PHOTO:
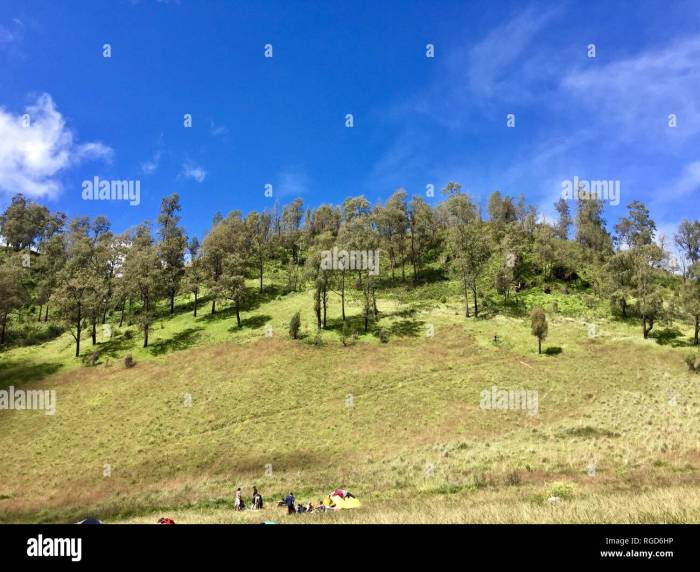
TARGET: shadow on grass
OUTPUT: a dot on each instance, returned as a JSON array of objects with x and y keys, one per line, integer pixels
[
  {"x": 553, "y": 351},
  {"x": 406, "y": 328},
  {"x": 253, "y": 322},
  {"x": 15, "y": 372},
  {"x": 670, "y": 337},
  {"x": 180, "y": 341}
]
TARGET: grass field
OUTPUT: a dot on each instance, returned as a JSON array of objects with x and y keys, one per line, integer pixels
[{"x": 209, "y": 408}]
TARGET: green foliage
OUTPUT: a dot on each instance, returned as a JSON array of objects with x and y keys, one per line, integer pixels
[{"x": 295, "y": 326}]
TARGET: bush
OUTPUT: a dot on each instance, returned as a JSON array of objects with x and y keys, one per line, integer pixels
[
  {"x": 91, "y": 359},
  {"x": 561, "y": 489},
  {"x": 129, "y": 334},
  {"x": 383, "y": 336},
  {"x": 295, "y": 326},
  {"x": 129, "y": 361},
  {"x": 693, "y": 362}
]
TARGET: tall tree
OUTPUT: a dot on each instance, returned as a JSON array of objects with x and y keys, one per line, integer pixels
[
  {"x": 171, "y": 248},
  {"x": 565, "y": 221},
  {"x": 636, "y": 229},
  {"x": 145, "y": 275}
]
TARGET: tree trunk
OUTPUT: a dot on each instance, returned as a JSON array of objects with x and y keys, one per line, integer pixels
[
  {"x": 623, "y": 306},
  {"x": 476, "y": 304},
  {"x": 342, "y": 293},
  {"x": 466, "y": 301},
  {"x": 213, "y": 306},
  {"x": 46, "y": 313},
  {"x": 697, "y": 329},
  {"x": 4, "y": 326},
  {"x": 413, "y": 261},
  {"x": 261, "y": 276},
  {"x": 146, "y": 307},
  {"x": 121, "y": 319},
  {"x": 539, "y": 345},
  {"x": 172, "y": 301},
  {"x": 94, "y": 330},
  {"x": 325, "y": 304},
  {"x": 77, "y": 338},
  {"x": 238, "y": 314},
  {"x": 104, "y": 316},
  {"x": 41, "y": 311},
  {"x": 195, "y": 304}
]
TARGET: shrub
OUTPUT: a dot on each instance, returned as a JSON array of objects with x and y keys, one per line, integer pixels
[
  {"x": 129, "y": 361},
  {"x": 345, "y": 335},
  {"x": 91, "y": 359},
  {"x": 294, "y": 326},
  {"x": 513, "y": 479},
  {"x": 129, "y": 334},
  {"x": 561, "y": 489},
  {"x": 693, "y": 362},
  {"x": 383, "y": 336}
]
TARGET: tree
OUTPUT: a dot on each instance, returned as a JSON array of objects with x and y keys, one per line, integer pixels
[
  {"x": 647, "y": 262},
  {"x": 172, "y": 246},
  {"x": 590, "y": 226},
  {"x": 12, "y": 293},
  {"x": 76, "y": 286},
  {"x": 422, "y": 232},
  {"x": 564, "y": 223},
  {"x": 539, "y": 326},
  {"x": 259, "y": 228},
  {"x": 618, "y": 283},
  {"x": 691, "y": 299},
  {"x": 22, "y": 223},
  {"x": 637, "y": 229},
  {"x": 194, "y": 273},
  {"x": 145, "y": 276},
  {"x": 688, "y": 240}
]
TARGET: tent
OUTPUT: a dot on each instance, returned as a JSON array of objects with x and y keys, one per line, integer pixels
[{"x": 336, "y": 502}]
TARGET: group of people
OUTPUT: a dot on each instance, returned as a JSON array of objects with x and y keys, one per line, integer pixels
[
  {"x": 289, "y": 501},
  {"x": 293, "y": 508},
  {"x": 256, "y": 503}
]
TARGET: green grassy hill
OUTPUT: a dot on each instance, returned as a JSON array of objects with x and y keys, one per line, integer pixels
[{"x": 615, "y": 438}]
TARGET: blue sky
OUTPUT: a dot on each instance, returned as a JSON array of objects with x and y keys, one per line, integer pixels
[{"x": 281, "y": 120}]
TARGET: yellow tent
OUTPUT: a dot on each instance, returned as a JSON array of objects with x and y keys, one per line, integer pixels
[{"x": 333, "y": 501}]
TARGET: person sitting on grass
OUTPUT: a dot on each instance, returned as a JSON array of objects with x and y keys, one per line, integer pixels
[{"x": 343, "y": 494}]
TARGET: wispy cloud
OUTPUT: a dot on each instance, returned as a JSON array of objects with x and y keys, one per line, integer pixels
[
  {"x": 292, "y": 182},
  {"x": 36, "y": 147},
  {"x": 11, "y": 33},
  {"x": 151, "y": 166},
  {"x": 195, "y": 172},
  {"x": 634, "y": 96},
  {"x": 217, "y": 130}
]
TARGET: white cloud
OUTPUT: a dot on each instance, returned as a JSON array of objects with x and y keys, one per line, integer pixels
[
  {"x": 192, "y": 171},
  {"x": 36, "y": 146},
  {"x": 688, "y": 182},
  {"x": 493, "y": 58},
  {"x": 150, "y": 167},
  {"x": 291, "y": 183},
  {"x": 217, "y": 129},
  {"x": 11, "y": 33},
  {"x": 635, "y": 95}
]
